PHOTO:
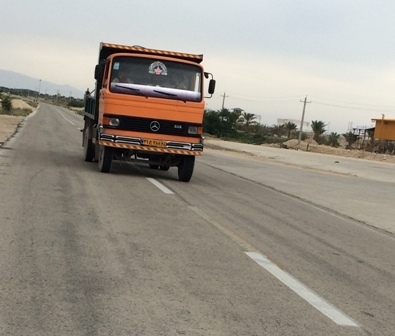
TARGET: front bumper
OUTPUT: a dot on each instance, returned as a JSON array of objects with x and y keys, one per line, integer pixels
[{"x": 137, "y": 144}]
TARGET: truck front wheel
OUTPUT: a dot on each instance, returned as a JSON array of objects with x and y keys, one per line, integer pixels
[
  {"x": 105, "y": 158},
  {"x": 185, "y": 168}
]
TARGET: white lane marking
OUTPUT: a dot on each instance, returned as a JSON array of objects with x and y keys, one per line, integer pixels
[
  {"x": 315, "y": 300},
  {"x": 304, "y": 292},
  {"x": 66, "y": 118},
  {"x": 160, "y": 186}
]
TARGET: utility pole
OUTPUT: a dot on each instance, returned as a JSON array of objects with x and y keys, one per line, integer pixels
[
  {"x": 39, "y": 89},
  {"x": 223, "y": 100},
  {"x": 302, "y": 121}
]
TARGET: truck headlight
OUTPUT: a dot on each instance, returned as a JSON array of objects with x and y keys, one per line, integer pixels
[
  {"x": 192, "y": 130},
  {"x": 114, "y": 122}
]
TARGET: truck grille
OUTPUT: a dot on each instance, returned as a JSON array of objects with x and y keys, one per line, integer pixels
[{"x": 155, "y": 126}]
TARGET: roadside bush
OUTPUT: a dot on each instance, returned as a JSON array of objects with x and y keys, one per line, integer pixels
[
  {"x": 351, "y": 138},
  {"x": 322, "y": 140},
  {"x": 303, "y": 136},
  {"x": 6, "y": 104},
  {"x": 258, "y": 139},
  {"x": 333, "y": 140},
  {"x": 21, "y": 112},
  {"x": 76, "y": 103},
  {"x": 275, "y": 140}
]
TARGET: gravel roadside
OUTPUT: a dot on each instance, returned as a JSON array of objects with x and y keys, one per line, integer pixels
[
  {"x": 8, "y": 126},
  {"x": 9, "y": 123}
]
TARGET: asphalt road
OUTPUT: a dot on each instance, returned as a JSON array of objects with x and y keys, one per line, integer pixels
[
  {"x": 136, "y": 252},
  {"x": 359, "y": 189}
]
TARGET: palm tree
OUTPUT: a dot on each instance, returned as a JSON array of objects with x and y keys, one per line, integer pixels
[
  {"x": 351, "y": 138},
  {"x": 318, "y": 128},
  {"x": 333, "y": 139},
  {"x": 290, "y": 126},
  {"x": 228, "y": 118},
  {"x": 247, "y": 119},
  {"x": 278, "y": 130}
]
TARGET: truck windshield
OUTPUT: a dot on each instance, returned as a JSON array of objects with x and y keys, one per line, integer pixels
[{"x": 156, "y": 78}]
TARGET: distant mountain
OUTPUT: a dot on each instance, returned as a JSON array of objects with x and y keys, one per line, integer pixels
[{"x": 14, "y": 80}]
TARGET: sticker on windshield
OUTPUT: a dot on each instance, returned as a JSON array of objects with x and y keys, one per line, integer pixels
[
  {"x": 116, "y": 66},
  {"x": 158, "y": 68}
]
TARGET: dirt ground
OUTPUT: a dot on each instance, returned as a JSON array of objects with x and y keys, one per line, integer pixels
[
  {"x": 8, "y": 123},
  {"x": 311, "y": 146}
]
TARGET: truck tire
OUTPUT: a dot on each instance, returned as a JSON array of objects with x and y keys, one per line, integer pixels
[
  {"x": 105, "y": 158},
  {"x": 89, "y": 150},
  {"x": 185, "y": 168}
]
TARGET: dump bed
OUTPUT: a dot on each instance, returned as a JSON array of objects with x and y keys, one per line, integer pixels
[{"x": 107, "y": 49}]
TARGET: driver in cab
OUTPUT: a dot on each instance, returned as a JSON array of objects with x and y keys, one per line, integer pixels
[{"x": 123, "y": 76}]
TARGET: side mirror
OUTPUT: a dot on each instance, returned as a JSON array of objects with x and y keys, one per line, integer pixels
[
  {"x": 211, "y": 86},
  {"x": 99, "y": 70}
]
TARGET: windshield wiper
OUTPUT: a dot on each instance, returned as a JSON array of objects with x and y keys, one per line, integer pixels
[
  {"x": 169, "y": 94},
  {"x": 166, "y": 93},
  {"x": 132, "y": 89}
]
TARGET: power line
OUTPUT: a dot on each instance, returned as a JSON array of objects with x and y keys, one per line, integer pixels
[
  {"x": 345, "y": 102},
  {"x": 358, "y": 108},
  {"x": 290, "y": 99},
  {"x": 262, "y": 98},
  {"x": 268, "y": 99}
]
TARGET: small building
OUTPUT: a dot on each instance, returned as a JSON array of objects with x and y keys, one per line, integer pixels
[
  {"x": 306, "y": 125},
  {"x": 384, "y": 135},
  {"x": 237, "y": 110},
  {"x": 385, "y": 129}
]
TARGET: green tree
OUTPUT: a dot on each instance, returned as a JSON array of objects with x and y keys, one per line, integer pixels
[
  {"x": 318, "y": 128},
  {"x": 220, "y": 123},
  {"x": 229, "y": 119},
  {"x": 333, "y": 139},
  {"x": 212, "y": 123},
  {"x": 76, "y": 103},
  {"x": 248, "y": 119},
  {"x": 351, "y": 138},
  {"x": 263, "y": 129},
  {"x": 278, "y": 130},
  {"x": 6, "y": 103},
  {"x": 290, "y": 127}
]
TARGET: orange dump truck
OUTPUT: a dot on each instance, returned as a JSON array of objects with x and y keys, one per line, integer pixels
[{"x": 147, "y": 106}]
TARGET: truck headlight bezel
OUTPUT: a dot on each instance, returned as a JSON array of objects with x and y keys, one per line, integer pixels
[
  {"x": 192, "y": 130},
  {"x": 114, "y": 122}
]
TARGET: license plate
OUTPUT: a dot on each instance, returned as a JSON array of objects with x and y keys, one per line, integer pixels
[{"x": 154, "y": 143}]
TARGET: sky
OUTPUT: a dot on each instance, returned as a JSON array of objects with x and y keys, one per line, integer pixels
[{"x": 266, "y": 56}]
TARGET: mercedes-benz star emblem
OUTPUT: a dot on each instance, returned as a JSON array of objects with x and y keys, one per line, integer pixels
[{"x": 154, "y": 126}]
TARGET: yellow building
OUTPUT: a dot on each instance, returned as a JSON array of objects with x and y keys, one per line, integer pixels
[{"x": 385, "y": 129}]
